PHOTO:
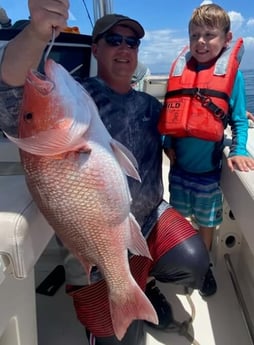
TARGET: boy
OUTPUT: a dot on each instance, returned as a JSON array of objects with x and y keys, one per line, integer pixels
[{"x": 196, "y": 162}]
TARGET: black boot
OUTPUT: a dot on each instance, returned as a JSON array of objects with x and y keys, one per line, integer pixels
[
  {"x": 209, "y": 286},
  {"x": 160, "y": 304}
]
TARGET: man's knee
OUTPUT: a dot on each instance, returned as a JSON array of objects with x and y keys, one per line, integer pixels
[{"x": 186, "y": 263}]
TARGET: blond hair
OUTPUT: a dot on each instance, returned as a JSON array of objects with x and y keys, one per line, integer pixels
[{"x": 211, "y": 15}]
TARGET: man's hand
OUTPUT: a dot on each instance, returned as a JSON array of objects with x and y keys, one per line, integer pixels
[{"x": 45, "y": 14}]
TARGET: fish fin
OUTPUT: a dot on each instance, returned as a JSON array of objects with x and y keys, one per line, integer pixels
[
  {"x": 136, "y": 242},
  {"x": 49, "y": 143},
  {"x": 136, "y": 306},
  {"x": 88, "y": 269},
  {"x": 126, "y": 159}
]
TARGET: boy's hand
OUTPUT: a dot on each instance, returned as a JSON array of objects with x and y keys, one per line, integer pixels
[
  {"x": 241, "y": 163},
  {"x": 250, "y": 116}
]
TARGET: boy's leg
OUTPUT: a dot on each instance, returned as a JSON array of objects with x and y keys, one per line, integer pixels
[
  {"x": 209, "y": 286},
  {"x": 208, "y": 215},
  {"x": 207, "y": 235}
]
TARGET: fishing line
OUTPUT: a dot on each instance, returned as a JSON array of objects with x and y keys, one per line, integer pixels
[
  {"x": 50, "y": 47},
  {"x": 51, "y": 44},
  {"x": 183, "y": 328},
  {"x": 88, "y": 14}
]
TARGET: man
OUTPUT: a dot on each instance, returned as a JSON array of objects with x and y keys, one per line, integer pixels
[{"x": 178, "y": 252}]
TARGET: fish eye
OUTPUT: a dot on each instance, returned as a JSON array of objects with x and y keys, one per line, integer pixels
[{"x": 28, "y": 117}]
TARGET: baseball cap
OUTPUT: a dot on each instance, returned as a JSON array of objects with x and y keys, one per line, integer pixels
[{"x": 106, "y": 22}]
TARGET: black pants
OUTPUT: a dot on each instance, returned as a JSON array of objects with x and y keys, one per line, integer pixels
[
  {"x": 134, "y": 336},
  {"x": 188, "y": 270}
]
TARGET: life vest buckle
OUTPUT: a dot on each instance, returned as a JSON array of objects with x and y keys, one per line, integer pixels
[{"x": 207, "y": 103}]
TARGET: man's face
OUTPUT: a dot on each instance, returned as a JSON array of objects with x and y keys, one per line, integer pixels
[{"x": 116, "y": 58}]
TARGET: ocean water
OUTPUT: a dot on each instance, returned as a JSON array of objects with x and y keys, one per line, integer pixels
[{"x": 249, "y": 88}]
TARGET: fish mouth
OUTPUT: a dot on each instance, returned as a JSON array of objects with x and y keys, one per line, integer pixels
[
  {"x": 36, "y": 74},
  {"x": 40, "y": 81}
]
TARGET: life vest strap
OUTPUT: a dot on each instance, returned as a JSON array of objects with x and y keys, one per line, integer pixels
[
  {"x": 203, "y": 95},
  {"x": 194, "y": 91}
]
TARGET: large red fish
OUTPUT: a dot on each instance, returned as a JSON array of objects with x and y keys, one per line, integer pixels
[{"x": 76, "y": 174}]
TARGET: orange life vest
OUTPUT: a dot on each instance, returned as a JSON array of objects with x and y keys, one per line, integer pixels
[{"x": 197, "y": 102}]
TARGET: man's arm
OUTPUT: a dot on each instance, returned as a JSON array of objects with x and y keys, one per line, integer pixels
[{"x": 26, "y": 49}]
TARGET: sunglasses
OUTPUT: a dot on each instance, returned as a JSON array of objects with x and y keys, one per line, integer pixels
[{"x": 115, "y": 40}]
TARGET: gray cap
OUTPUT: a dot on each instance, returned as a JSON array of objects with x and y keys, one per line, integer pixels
[{"x": 106, "y": 22}]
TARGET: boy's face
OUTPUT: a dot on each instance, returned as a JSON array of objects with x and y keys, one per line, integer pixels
[{"x": 206, "y": 43}]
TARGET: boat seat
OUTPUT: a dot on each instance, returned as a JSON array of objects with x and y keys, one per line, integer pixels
[
  {"x": 155, "y": 86},
  {"x": 24, "y": 234},
  {"x": 238, "y": 189}
]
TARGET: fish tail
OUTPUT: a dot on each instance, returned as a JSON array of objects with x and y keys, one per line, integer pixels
[{"x": 136, "y": 306}]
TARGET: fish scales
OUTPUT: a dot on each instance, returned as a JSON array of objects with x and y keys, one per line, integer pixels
[{"x": 76, "y": 173}]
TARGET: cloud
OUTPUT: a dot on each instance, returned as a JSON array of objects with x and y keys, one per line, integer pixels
[
  {"x": 237, "y": 20},
  {"x": 71, "y": 16},
  {"x": 160, "y": 47},
  {"x": 206, "y": 2},
  {"x": 250, "y": 23}
]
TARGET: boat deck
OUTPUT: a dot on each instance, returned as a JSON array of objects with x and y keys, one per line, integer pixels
[{"x": 217, "y": 320}]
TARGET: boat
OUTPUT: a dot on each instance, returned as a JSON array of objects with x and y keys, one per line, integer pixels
[{"x": 34, "y": 307}]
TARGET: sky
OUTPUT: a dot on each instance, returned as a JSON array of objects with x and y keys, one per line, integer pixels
[{"x": 165, "y": 23}]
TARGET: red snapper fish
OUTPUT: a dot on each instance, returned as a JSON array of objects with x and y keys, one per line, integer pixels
[{"x": 76, "y": 173}]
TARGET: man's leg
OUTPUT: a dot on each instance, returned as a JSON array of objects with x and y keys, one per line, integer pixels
[
  {"x": 179, "y": 257},
  {"x": 182, "y": 264},
  {"x": 179, "y": 253},
  {"x": 92, "y": 308}
]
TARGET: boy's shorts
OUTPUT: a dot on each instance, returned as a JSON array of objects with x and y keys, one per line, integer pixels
[{"x": 197, "y": 195}]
